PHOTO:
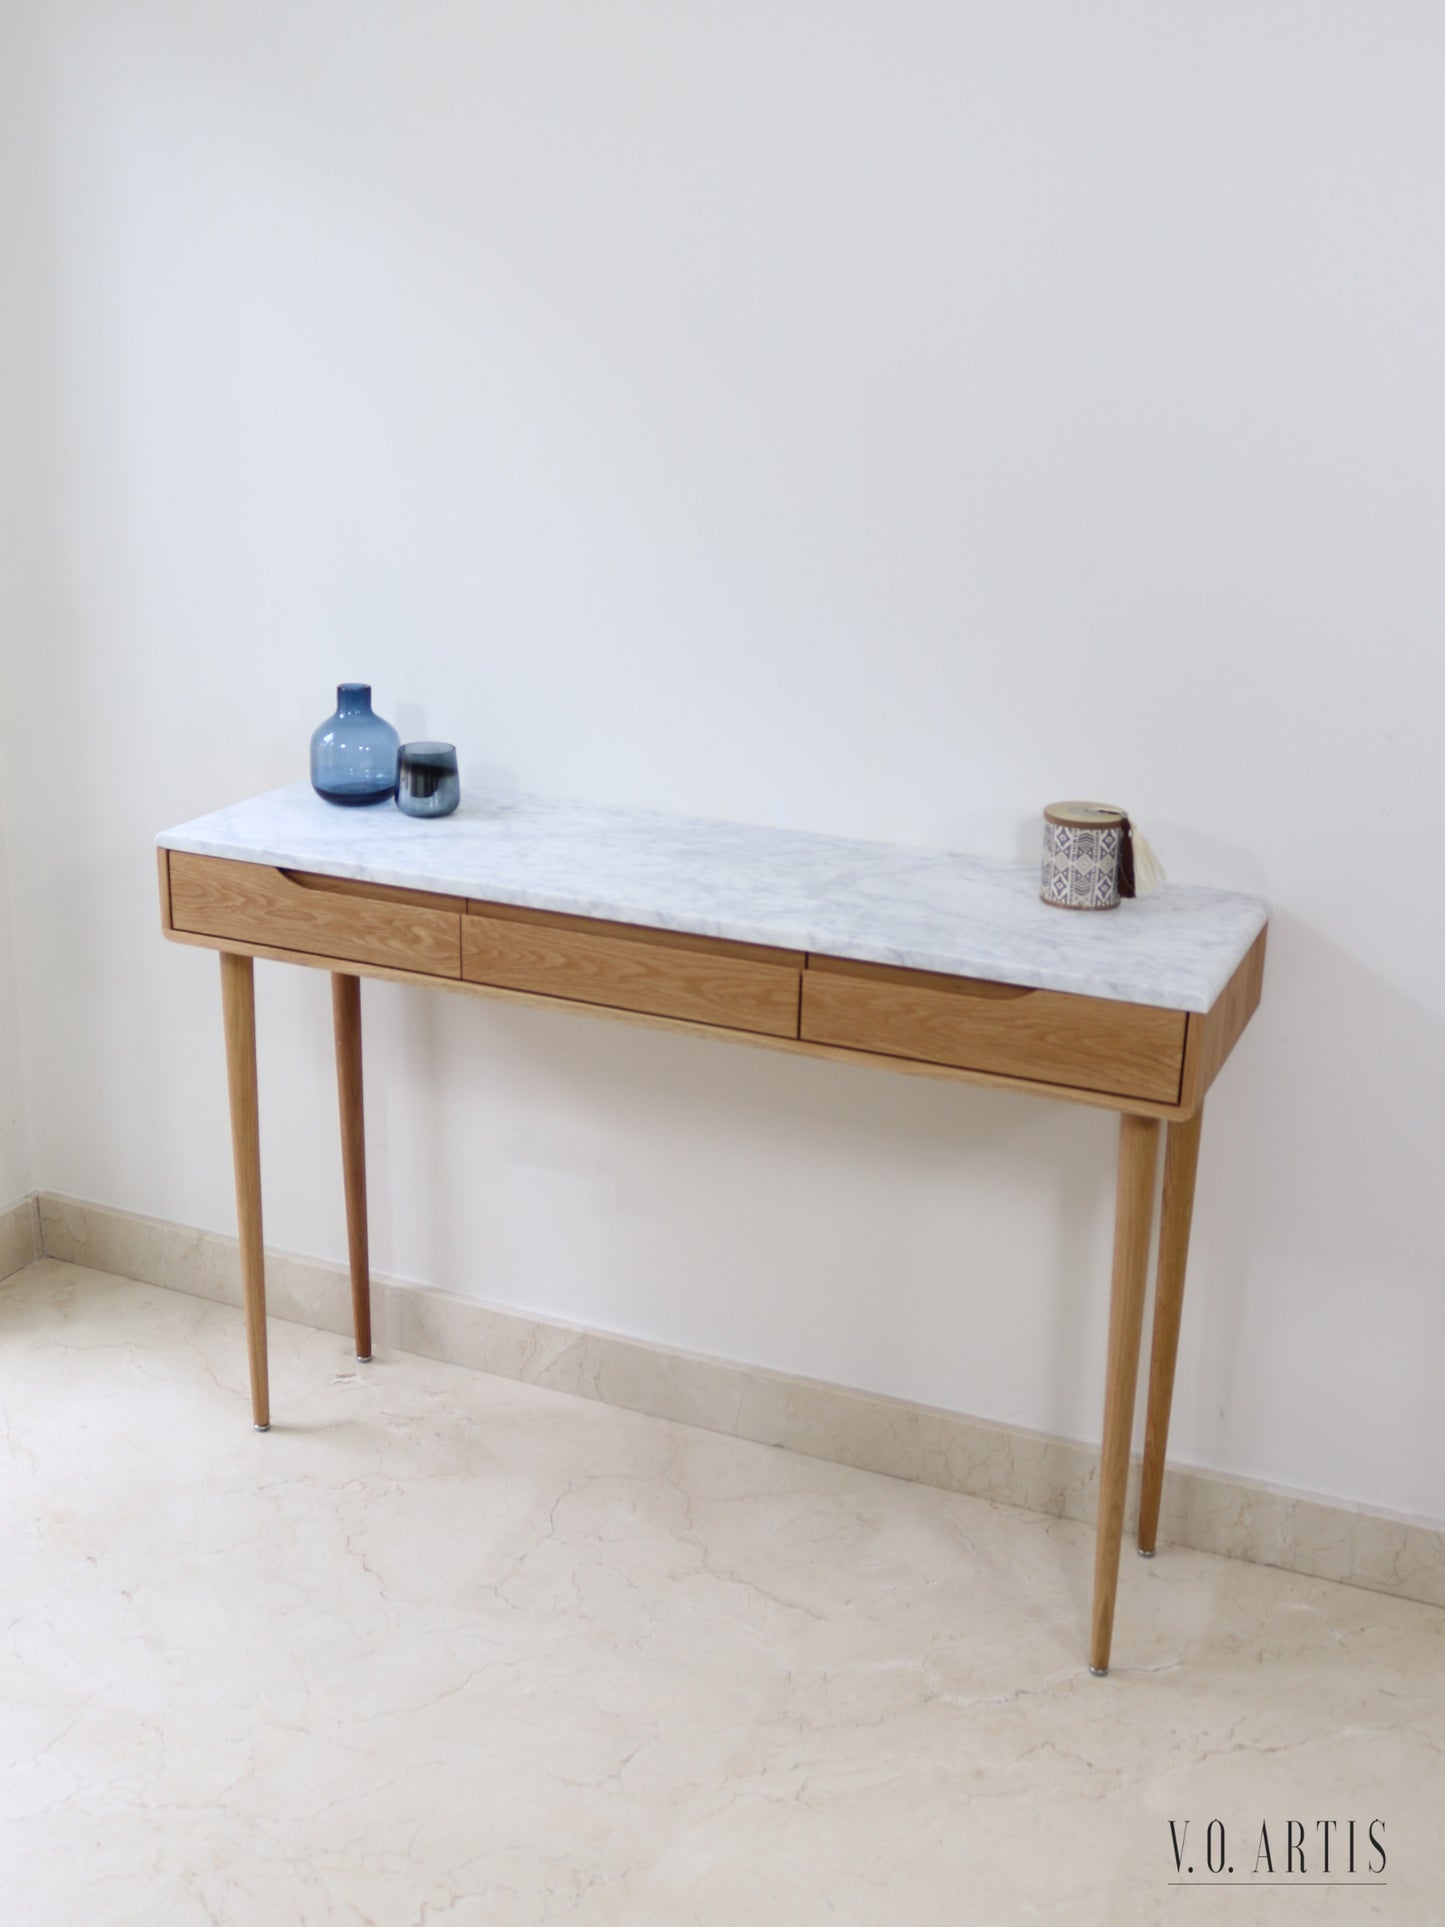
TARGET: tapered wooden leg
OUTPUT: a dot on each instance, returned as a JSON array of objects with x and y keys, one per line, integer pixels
[
  {"x": 1181, "y": 1161},
  {"x": 346, "y": 1010},
  {"x": 238, "y": 1005},
  {"x": 1138, "y": 1160}
]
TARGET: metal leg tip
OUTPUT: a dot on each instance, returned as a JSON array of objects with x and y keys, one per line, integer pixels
[
  {"x": 262, "y": 1428},
  {"x": 1099, "y": 1672},
  {"x": 363, "y": 1358},
  {"x": 1146, "y": 1552}
]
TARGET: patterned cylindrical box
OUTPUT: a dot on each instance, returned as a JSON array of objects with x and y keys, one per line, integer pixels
[{"x": 1083, "y": 845}]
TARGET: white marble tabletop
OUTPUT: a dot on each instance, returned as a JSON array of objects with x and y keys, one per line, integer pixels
[{"x": 873, "y": 902}]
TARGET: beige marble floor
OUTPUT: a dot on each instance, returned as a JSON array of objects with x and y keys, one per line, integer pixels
[{"x": 442, "y": 1648}]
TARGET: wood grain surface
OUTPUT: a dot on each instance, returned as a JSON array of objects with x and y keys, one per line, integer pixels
[
  {"x": 217, "y": 897},
  {"x": 721, "y": 984},
  {"x": 1214, "y": 1035},
  {"x": 1084, "y": 1043},
  {"x": 1133, "y": 1215}
]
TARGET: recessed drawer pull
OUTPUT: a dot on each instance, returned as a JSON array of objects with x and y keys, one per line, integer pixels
[
  {"x": 376, "y": 892},
  {"x": 982, "y": 987}
]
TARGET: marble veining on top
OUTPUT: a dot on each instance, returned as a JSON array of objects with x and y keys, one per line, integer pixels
[{"x": 964, "y": 916}]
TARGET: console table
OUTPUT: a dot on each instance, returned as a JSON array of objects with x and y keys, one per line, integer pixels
[{"x": 910, "y": 960}]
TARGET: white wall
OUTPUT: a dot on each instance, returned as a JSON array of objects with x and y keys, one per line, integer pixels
[
  {"x": 878, "y": 418},
  {"x": 15, "y": 1161},
  {"x": 15, "y": 1165}
]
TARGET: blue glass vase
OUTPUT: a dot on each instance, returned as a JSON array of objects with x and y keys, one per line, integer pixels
[{"x": 354, "y": 752}]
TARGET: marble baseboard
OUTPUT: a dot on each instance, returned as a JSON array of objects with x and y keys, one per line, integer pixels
[
  {"x": 19, "y": 1235},
  {"x": 1240, "y": 1518}
]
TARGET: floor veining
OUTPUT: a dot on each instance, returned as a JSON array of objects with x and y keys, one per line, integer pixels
[{"x": 446, "y": 1648}]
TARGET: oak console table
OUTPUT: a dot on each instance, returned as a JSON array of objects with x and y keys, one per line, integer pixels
[{"x": 909, "y": 960}]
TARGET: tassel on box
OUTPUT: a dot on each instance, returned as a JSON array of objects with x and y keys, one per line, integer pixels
[
  {"x": 1148, "y": 870},
  {"x": 1140, "y": 871}
]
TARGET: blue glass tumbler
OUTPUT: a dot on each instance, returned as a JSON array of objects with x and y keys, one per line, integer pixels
[
  {"x": 354, "y": 752},
  {"x": 428, "y": 784}
]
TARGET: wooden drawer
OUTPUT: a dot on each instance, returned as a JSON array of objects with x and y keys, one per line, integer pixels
[
  {"x": 1086, "y": 1043},
  {"x": 734, "y": 986},
  {"x": 323, "y": 916}
]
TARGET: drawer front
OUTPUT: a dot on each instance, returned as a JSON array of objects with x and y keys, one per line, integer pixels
[
  {"x": 252, "y": 903},
  {"x": 733, "y": 986},
  {"x": 1085, "y": 1043}
]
